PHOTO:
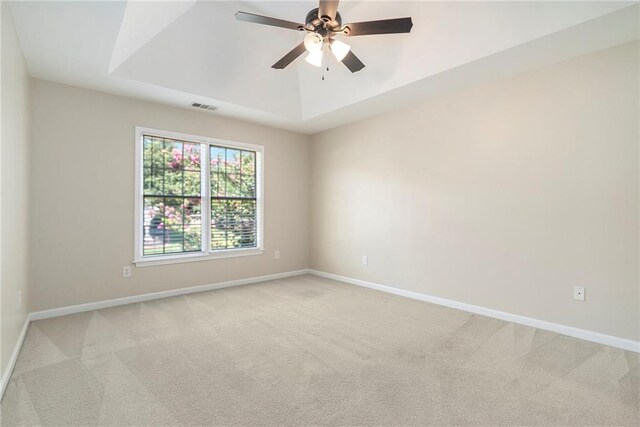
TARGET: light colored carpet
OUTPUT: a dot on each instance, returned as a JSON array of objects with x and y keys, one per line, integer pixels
[{"x": 311, "y": 351}]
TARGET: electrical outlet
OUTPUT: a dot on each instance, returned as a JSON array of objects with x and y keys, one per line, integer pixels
[
  {"x": 578, "y": 293},
  {"x": 277, "y": 254},
  {"x": 365, "y": 260},
  {"x": 126, "y": 271}
]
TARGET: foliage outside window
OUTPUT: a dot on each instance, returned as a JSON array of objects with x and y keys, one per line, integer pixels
[
  {"x": 197, "y": 198},
  {"x": 233, "y": 198}
]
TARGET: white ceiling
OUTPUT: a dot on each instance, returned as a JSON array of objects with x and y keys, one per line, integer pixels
[{"x": 181, "y": 52}]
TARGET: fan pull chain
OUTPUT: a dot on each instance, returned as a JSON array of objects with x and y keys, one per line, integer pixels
[
  {"x": 324, "y": 57},
  {"x": 323, "y": 70}
]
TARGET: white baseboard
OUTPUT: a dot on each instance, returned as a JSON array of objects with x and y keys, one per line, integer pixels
[
  {"x": 623, "y": 343},
  {"x": 6, "y": 375},
  {"x": 62, "y": 311},
  {"x": 72, "y": 309}
]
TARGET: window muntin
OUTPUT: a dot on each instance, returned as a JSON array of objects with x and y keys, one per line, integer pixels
[{"x": 182, "y": 180}]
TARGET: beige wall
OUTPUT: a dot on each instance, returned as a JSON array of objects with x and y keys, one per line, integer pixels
[
  {"x": 14, "y": 154},
  {"x": 504, "y": 196},
  {"x": 82, "y": 197}
]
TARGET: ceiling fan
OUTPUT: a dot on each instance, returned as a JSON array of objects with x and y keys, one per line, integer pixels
[{"x": 321, "y": 25}]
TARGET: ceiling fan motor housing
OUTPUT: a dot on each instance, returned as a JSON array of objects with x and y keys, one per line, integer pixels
[{"x": 315, "y": 23}]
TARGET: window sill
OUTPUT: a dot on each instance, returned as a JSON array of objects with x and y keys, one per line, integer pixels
[{"x": 179, "y": 259}]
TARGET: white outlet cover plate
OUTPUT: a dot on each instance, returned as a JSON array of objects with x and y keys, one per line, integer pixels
[{"x": 578, "y": 293}]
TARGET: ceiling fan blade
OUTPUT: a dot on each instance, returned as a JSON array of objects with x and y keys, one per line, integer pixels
[
  {"x": 289, "y": 57},
  {"x": 265, "y": 20},
  {"x": 352, "y": 62},
  {"x": 328, "y": 8},
  {"x": 385, "y": 26}
]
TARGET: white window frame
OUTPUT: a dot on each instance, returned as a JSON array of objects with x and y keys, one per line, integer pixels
[{"x": 205, "y": 254}]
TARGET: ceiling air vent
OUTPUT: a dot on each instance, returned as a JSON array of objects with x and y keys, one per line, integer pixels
[{"x": 204, "y": 106}]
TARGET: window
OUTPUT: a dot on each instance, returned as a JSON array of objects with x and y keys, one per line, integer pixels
[{"x": 196, "y": 198}]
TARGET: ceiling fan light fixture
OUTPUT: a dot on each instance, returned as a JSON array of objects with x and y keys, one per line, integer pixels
[
  {"x": 314, "y": 58},
  {"x": 339, "y": 49},
  {"x": 321, "y": 24},
  {"x": 313, "y": 42}
]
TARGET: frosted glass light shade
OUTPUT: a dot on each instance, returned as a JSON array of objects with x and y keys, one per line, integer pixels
[
  {"x": 313, "y": 42},
  {"x": 339, "y": 49},
  {"x": 314, "y": 58}
]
